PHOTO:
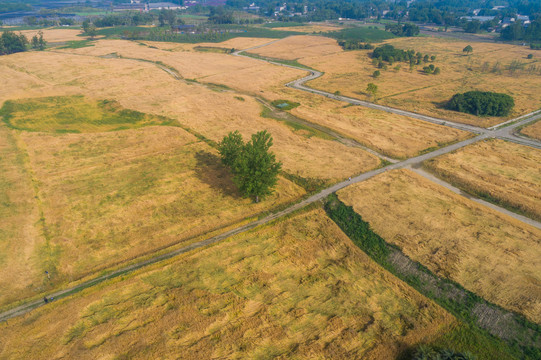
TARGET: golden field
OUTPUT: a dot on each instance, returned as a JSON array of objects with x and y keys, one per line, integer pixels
[
  {"x": 505, "y": 172},
  {"x": 54, "y": 35},
  {"x": 393, "y": 135},
  {"x": 488, "y": 253},
  {"x": 533, "y": 130},
  {"x": 396, "y": 136},
  {"x": 144, "y": 87},
  {"x": 106, "y": 198},
  {"x": 350, "y": 71},
  {"x": 300, "y": 47},
  {"x": 294, "y": 289}
]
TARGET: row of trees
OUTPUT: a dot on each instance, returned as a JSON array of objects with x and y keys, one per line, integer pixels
[
  {"x": 255, "y": 169},
  {"x": 391, "y": 54},
  {"x": 11, "y": 43},
  {"x": 354, "y": 45},
  {"x": 482, "y": 103},
  {"x": 125, "y": 19},
  {"x": 402, "y": 30}
]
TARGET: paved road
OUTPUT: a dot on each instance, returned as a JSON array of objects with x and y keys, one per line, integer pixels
[{"x": 502, "y": 132}]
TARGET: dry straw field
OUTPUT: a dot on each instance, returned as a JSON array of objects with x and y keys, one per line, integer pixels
[
  {"x": 109, "y": 197},
  {"x": 486, "y": 69},
  {"x": 533, "y": 131},
  {"x": 503, "y": 172},
  {"x": 488, "y": 253},
  {"x": 295, "y": 289},
  {"x": 54, "y": 35},
  {"x": 393, "y": 135},
  {"x": 211, "y": 111}
]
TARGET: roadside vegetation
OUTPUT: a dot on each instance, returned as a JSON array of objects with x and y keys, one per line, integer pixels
[{"x": 512, "y": 338}]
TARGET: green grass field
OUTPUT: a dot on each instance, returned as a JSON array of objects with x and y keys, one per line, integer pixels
[
  {"x": 74, "y": 114},
  {"x": 280, "y": 24}
]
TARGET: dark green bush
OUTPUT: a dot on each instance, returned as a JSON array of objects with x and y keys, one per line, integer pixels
[{"x": 482, "y": 103}]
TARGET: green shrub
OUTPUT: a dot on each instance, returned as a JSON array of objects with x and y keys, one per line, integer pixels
[{"x": 482, "y": 103}]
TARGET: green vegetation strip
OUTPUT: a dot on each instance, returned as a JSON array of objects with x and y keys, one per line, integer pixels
[
  {"x": 211, "y": 34},
  {"x": 522, "y": 338},
  {"x": 363, "y": 34}
]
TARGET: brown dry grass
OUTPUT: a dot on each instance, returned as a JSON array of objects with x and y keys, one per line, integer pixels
[
  {"x": 238, "y": 43},
  {"x": 295, "y": 289},
  {"x": 144, "y": 87},
  {"x": 488, "y": 253},
  {"x": 20, "y": 232},
  {"x": 393, "y": 135},
  {"x": 507, "y": 172},
  {"x": 533, "y": 131},
  {"x": 110, "y": 197},
  {"x": 54, "y": 35},
  {"x": 350, "y": 72},
  {"x": 313, "y": 28},
  {"x": 297, "y": 47}
]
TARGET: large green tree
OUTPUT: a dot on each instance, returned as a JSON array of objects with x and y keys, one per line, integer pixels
[
  {"x": 12, "y": 43},
  {"x": 230, "y": 148},
  {"x": 254, "y": 166},
  {"x": 89, "y": 29}
]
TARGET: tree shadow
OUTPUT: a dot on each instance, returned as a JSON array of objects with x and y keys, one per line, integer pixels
[
  {"x": 441, "y": 104},
  {"x": 211, "y": 171}
]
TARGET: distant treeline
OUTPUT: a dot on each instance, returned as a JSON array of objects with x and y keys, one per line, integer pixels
[
  {"x": 354, "y": 45},
  {"x": 517, "y": 31},
  {"x": 482, "y": 103}
]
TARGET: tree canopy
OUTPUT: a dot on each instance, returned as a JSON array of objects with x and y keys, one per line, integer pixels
[
  {"x": 482, "y": 103},
  {"x": 12, "y": 43},
  {"x": 255, "y": 169}
]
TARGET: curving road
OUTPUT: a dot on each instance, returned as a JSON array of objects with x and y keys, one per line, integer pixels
[{"x": 505, "y": 132}]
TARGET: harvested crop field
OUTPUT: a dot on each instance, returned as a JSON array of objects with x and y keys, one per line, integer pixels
[
  {"x": 302, "y": 46},
  {"x": 533, "y": 131},
  {"x": 502, "y": 172},
  {"x": 297, "y": 289},
  {"x": 486, "y": 69},
  {"x": 488, "y": 253},
  {"x": 393, "y": 135},
  {"x": 239, "y": 43},
  {"x": 212, "y": 111},
  {"x": 110, "y": 197},
  {"x": 54, "y": 35}
]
